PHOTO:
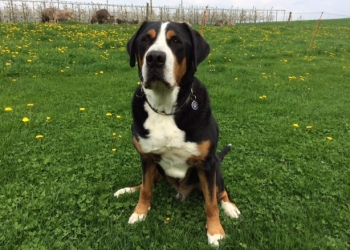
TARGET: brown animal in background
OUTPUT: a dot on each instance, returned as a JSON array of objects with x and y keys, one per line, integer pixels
[
  {"x": 121, "y": 21},
  {"x": 94, "y": 18},
  {"x": 47, "y": 15},
  {"x": 103, "y": 16},
  {"x": 230, "y": 23},
  {"x": 63, "y": 15},
  {"x": 219, "y": 23}
]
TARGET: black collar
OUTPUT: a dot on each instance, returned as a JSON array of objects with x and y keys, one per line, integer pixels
[{"x": 177, "y": 110}]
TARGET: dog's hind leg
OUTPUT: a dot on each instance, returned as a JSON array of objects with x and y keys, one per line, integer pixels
[
  {"x": 126, "y": 190},
  {"x": 230, "y": 208}
]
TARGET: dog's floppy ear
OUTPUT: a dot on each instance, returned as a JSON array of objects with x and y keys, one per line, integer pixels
[
  {"x": 131, "y": 46},
  {"x": 201, "y": 48}
]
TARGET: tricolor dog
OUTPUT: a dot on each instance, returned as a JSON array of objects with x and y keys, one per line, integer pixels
[{"x": 173, "y": 127}]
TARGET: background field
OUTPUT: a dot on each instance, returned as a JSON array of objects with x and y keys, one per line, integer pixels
[{"x": 291, "y": 183}]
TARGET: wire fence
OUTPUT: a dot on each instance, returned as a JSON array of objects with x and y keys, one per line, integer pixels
[{"x": 30, "y": 11}]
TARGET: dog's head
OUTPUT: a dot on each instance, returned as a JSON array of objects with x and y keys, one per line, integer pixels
[{"x": 166, "y": 52}]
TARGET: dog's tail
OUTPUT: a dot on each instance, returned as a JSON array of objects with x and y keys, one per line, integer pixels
[{"x": 224, "y": 152}]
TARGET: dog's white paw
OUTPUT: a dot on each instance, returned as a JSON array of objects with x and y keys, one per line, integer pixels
[
  {"x": 214, "y": 239},
  {"x": 123, "y": 191},
  {"x": 180, "y": 197},
  {"x": 230, "y": 209},
  {"x": 136, "y": 218}
]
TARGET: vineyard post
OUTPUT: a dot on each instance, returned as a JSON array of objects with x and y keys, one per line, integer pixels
[
  {"x": 24, "y": 15},
  {"x": 315, "y": 32},
  {"x": 290, "y": 17},
  {"x": 33, "y": 13},
  {"x": 204, "y": 20},
  {"x": 11, "y": 10}
]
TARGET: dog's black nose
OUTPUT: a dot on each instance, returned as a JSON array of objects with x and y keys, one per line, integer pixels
[{"x": 155, "y": 58}]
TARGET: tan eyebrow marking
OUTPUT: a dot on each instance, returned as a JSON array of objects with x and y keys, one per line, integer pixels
[
  {"x": 152, "y": 33},
  {"x": 170, "y": 34}
]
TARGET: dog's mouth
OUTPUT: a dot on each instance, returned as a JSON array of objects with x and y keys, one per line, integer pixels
[{"x": 155, "y": 80}]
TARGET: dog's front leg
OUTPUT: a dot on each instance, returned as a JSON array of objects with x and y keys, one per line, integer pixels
[
  {"x": 207, "y": 178},
  {"x": 149, "y": 173}
]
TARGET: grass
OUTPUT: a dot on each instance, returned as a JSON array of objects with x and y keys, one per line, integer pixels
[{"x": 291, "y": 183}]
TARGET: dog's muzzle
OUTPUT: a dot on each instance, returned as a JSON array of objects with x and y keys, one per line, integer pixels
[{"x": 155, "y": 67}]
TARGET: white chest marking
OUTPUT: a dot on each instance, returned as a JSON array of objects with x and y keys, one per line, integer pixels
[{"x": 167, "y": 140}]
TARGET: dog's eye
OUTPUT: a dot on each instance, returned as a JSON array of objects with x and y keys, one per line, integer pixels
[
  {"x": 176, "y": 41},
  {"x": 145, "y": 39}
]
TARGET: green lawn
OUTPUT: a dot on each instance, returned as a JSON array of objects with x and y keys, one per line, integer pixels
[{"x": 291, "y": 183}]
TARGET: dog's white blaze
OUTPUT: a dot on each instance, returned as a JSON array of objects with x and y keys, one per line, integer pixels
[
  {"x": 161, "y": 44},
  {"x": 166, "y": 139}
]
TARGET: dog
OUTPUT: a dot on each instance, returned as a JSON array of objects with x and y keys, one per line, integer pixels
[{"x": 173, "y": 127}]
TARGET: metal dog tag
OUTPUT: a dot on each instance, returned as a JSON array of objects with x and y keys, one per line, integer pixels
[{"x": 194, "y": 105}]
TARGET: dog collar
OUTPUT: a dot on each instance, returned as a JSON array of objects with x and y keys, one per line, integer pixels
[{"x": 191, "y": 96}]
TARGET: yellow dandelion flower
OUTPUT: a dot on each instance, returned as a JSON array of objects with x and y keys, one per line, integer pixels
[
  {"x": 25, "y": 119},
  {"x": 101, "y": 72},
  {"x": 48, "y": 118},
  {"x": 82, "y": 109},
  {"x": 62, "y": 71},
  {"x": 329, "y": 138},
  {"x": 296, "y": 125},
  {"x": 114, "y": 150},
  {"x": 118, "y": 117},
  {"x": 8, "y": 64},
  {"x": 8, "y": 109},
  {"x": 29, "y": 60},
  {"x": 138, "y": 83},
  {"x": 262, "y": 97},
  {"x": 14, "y": 80},
  {"x": 67, "y": 67},
  {"x": 236, "y": 79},
  {"x": 308, "y": 127},
  {"x": 109, "y": 114},
  {"x": 30, "y": 105},
  {"x": 119, "y": 136},
  {"x": 39, "y": 136},
  {"x": 114, "y": 134}
]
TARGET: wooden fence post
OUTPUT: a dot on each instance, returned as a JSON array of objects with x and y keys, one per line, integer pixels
[
  {"x": 290, "y": 17},
  {"x": 315, "y": 32},
  {"x": 204, "y": 20}
]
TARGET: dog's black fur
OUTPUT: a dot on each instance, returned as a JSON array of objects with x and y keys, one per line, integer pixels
[{"x": 199, "y": 125}]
